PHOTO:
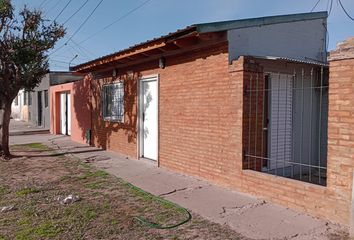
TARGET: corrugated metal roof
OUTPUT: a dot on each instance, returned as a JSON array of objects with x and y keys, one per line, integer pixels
[
  {"x": 217, "y": 27},
  {"x": 255, "y": 22},
  {"x": 167, "y": 36},
  {"x": 303, "y": 61}
]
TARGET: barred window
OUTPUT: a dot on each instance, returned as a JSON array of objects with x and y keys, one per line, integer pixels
[{"x": 113, "y": 102}]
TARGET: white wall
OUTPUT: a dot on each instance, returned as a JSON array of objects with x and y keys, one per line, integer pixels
[
  {"x": 298, "y": 40},
  {"x": 17, "y": 109}
]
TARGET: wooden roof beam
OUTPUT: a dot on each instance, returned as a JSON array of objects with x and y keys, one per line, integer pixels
[{"x": 186, "y": 42}]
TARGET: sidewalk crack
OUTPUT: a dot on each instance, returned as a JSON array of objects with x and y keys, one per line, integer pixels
[
  {"x": 226, "y": 211},
  {"x": 180, "y": 190},
  {"x": 172, "y": 192}
]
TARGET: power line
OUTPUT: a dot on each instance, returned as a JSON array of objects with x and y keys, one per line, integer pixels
[
  {"x": 315, "y": 5},
  {"x": 83, "y": 5},
  {"x": 43, "y": 2},
  {"x": 115, "y": 21},
  {"x": 83, "y": 49},
  {"x": 345, "y": 11},
  {"x": 77, "y": 30},
  {"x": 67, "y": 4},
  {"x": 330, "y": 8},
  {"x": 54, "y": 6}
]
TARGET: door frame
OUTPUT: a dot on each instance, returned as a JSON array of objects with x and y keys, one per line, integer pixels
[
  {"x": 67, "y": 108},
  {"x": 153, "y": 77},
  {"x": 39, "y": 109}
]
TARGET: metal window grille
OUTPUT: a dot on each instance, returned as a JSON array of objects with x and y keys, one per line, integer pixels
[
  {"x": 113, "y": 102},
  {"x": 285, "y": 124}
]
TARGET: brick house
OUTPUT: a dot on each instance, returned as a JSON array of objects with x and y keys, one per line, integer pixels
[
  {"x": 242, "y": 103},
  {"x": 69, "y": 105}
]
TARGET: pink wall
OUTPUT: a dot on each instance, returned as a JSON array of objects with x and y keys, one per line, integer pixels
[{"x": 80, "y": 108}]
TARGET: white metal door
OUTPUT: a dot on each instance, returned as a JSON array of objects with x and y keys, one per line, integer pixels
[
  {"x": 149, "y": 112},
  {"x": 65, "y": 113},
  {"x": 63, "y": 122},
  {"x": 280, "y": 122},
  {"x": 68, "y": 112}
]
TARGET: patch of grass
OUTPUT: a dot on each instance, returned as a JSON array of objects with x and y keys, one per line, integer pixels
[
  {"x": 84, "y": 165},
  {"x": 29, "y": 211},
  {"x": 108, "y": 210},
  {"x": 46, "y": 230},
  {"x": 64, "y": 178},
  {"x": 96, "y": 174},
  {"x": 95, "y": 185},
  {"x": 26, "y": 191},
  {"x": 3, "y": 191},
  {"x": 37, "y": 146}
]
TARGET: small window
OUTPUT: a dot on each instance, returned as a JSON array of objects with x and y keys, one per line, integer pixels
[
  {"x": 46, "y": 98},
  {"x": 16, "y": 101},
  {"x": 113, "y": 102}
]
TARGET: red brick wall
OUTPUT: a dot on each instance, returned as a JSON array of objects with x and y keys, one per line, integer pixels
[
  {"x": 113, "y": 135},
  {"x": 201, "y": 116},
  {"x": 331, "y": 202}
]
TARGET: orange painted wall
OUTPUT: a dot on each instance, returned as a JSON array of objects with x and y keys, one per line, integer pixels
[{"x": 80, "y": 108}]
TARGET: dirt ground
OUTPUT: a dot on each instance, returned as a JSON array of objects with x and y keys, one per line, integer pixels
[{"x": 109, "y": 208}]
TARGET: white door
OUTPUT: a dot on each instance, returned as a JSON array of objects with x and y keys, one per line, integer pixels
[
  {"x": 68, "y": 111},
  {"x": 63, "y": 122},
  {"x": 65, "y": 113},
  {"x": 280, "y": 120},
  {"x": 149, "y": 118}
]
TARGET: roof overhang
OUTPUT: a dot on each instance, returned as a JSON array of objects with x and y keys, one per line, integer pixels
[
  {"x": 188, "y": 37},
  {"x": 256, "y": 22}
]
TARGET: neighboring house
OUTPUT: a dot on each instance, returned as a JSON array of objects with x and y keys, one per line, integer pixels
[
  {"x": 38, "y": 104},
  {"x": 34, "y": 106},
  {"x": 17, "y": 106},
  {"x": 69, "y": 105},
  {"x": 242, "y": 103}
]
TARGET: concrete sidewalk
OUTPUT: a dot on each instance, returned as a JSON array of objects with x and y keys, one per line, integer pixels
[
  {"x": 18, "y": 127},
  {"x": 252, "y": 217}
]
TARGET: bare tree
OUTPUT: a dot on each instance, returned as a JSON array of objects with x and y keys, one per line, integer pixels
[{"x": 24, "y": 42}]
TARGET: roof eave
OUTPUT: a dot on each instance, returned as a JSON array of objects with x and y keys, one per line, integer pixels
[{"x": 254, "y": 22}]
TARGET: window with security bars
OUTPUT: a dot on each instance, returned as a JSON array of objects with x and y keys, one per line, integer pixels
[
  {"x": 285, "y": 124},
  {"x": 113, "y": 102}
]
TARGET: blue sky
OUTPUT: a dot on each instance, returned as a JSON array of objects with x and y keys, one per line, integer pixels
[{"x": 158, "y": 17}]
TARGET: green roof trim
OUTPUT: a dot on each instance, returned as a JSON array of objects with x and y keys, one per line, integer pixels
[{"x": 255, "y": 22}]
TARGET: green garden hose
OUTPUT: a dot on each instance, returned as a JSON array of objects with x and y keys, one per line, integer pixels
[{"x": 156, "y": 225}]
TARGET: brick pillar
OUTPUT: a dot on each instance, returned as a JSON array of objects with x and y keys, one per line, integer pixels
[
  {"x": 341, "y": 129},
  {"x": 250, "y": 76}
]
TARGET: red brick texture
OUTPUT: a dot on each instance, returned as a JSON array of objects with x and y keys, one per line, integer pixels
[
  {"x": 117, "y": 136},
  {"x": 201, "y": 128}
]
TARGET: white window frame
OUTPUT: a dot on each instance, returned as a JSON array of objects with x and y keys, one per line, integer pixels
[{"x": 111, "y": 117}]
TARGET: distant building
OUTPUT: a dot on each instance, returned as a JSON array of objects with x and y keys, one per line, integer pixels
[{"x": 33, "y": 106}]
